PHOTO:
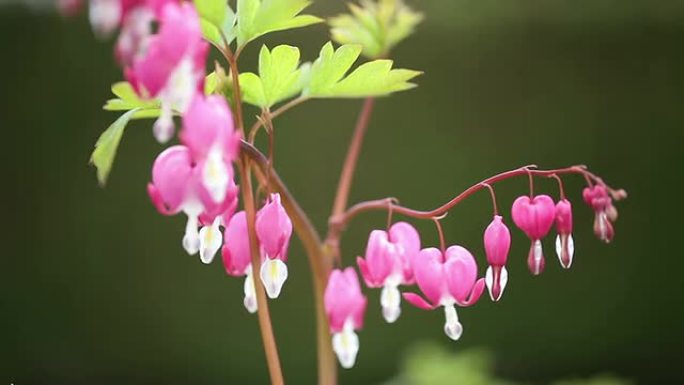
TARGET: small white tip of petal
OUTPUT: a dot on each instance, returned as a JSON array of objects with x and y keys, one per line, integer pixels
[
  {"x": 452, "y": 327},
  {"x": 210, "y": 240},
  {"x": 496, "y": 289},
  {"x": 346, "y": 347},
  {"x": 250, "y": 300},
  {"x": 565, "y": 251},
  {"x": 538, "y": 251},
  {"x": 191, "y": 240},
  {"x": 390, "y": 300},
  {"x": 163, "y": 127},
  {"x": 273, "y": 275}
]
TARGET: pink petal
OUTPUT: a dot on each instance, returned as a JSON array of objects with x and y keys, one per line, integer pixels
[
  {"x": 418, "y": 301},
  {"x": 236, "y": 252},
  {"x": 406, "y": 237},
  {"x": 461, "y": 272},
  {"x": 497, "y": 242},
  {"x": 428, "y": 268},
  {"x": 172, "y": 173},
  {"x": 475, "y": 295}
]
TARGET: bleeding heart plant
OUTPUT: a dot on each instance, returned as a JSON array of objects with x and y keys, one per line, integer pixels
[{"x": 162, "y": 48}]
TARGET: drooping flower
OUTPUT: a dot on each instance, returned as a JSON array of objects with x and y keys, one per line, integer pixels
[
  {"x": 173, "y": 189},
  {"x": 497, "y": 243},
  {"x": 345, "y": 306},
  {"x": 387, "y": 264},
  {"x": 565, "y": 245},
  {"x": 237, "y": 258},
  {"x": 534, "y": 216},
  {"x": 273, "y": 229},
  {"x": 605, "y": 214},
  {"x": 209, "y": 134},
  {"x": 172, "y": 68},
  {"x": 176, "y": 186},
  {"x": 446, "y": 279}
]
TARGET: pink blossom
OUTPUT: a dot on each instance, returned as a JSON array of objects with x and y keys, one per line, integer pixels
[
  {"x": 387, "y": 264},
  {"x": 345, "y": 306},
  {"x": 605, "y": 214},
  {"x": 446, "y": 279},
  {"x": 565, "y": 246},
  {"x": 176, "y": 187},
  {"x": 274, "y": 229},
  {"x": 534, "y": 216},
  {"x": 497, "y": 243},
  {"x": 209, "y": 134},
  {"x": 237, "y": 259},
  {"x": 172, "y": 68}
]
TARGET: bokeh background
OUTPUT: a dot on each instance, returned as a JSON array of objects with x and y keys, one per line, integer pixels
[{"x": 96, "y": 289}]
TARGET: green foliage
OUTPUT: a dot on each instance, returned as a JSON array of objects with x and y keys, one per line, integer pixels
[
  {"x": 278, "y": 79},
  {"x": 432, "y": 364},
  {"x": 377, "y": 78},
  {"x": 216, "y": 19},
  {"x": 127, "y": 99},
  {"x": 259, "y": 17},
  {"x": 378, "y": 26},
  {"x": 107, "y": 144}
]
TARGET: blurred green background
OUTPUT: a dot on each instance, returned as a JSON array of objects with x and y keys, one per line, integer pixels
[{"x": 96, "y": 288}]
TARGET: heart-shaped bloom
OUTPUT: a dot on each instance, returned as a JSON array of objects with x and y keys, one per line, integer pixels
[
  {"x": 345, "y": 306},
  {"x": 172, "y": 68},
  {"x": 446, "y": 279},
  {"x": 497, "y": 243},
  {"x": 605, "y": 214},
  {"x": 237, "y": 259},
  {"x": 534, "y": 216},
  {"x": 387, "y": 264},
  {"x": 565, "y": 246},
  {"x": 176, "y": 187},
  {"x": 274, "y": 229},
  {"x": 209, "y": 134}
]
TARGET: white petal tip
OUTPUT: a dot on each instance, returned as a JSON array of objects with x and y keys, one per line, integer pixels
[
  {"x": 273, "y": 275},
  {"x": 346, "y": 347},
  {"x": 452, "y": 327},
  {"x": 210, "y": 240},
  {"x": 391, "y": 314}
]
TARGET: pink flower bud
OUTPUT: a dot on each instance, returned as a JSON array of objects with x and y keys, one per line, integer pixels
[
  {"x": 599, "y": 200},
  {"x": 345, "y": 306},
  {"x": 446, "y": 280},
  {"x": 387, "y": 264},
  {"x": 237, "y": 259},
  {"x": 565, "y": 246},
  {"x": 274, "y": 229},
  {"x": 497, "y": 242},
  {"x": 534, "y": 216}
]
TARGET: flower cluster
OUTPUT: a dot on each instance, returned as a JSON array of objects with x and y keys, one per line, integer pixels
[{"x": 448, "y": 276}]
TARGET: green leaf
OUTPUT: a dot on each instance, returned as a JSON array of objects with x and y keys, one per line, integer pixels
[
  {"x": 376, "y": 25},
  {"x": 213, "y": 11},
  {"x": 107, "y": 144},
  {"x": 259, "y": 17},
  {"x": 279, "y": 78},
  {"x": 127, "y": 99},
  {"x": 377, "y": 78},
  {"x": 210, "y": 32}
]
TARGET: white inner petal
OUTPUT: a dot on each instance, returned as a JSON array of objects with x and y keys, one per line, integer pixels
[
  {"x": 215, "y": 175},
  {"x": 559, "y": 248},
  {"x": 452, "y": 328},
  {"x": 603, "y": 229},
  {"x": 273, "y": 275},
  {"x": 210, "y": 240},
  {"x": 191, "y": 240},
  {"x": 489, "y": 281},
  {"x": 163, "y": 127},
  {"x": 346, "y": 346},
  {"x": 181, "y": 85},
  {"x": 390, "y": 300},
  {"x": 250, "y": 300},
  {"x": 571, "y": 247}
]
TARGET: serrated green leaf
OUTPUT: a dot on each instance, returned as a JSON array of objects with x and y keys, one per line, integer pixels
[
  {"x": 252, "y": 89},
  {"x": 330, "y": 67},
  {"x": 213, "y": 11},
  {"x": 327, "y": 78},
  {"x": 377, "y": 25},
  {"x": 107, "y": 144},
  {"x": 278, "y": 79},
  {"x": 127, "y": 99},
  {"x": 259, "y": 17},
  {"x": 210, "y": 32}
]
